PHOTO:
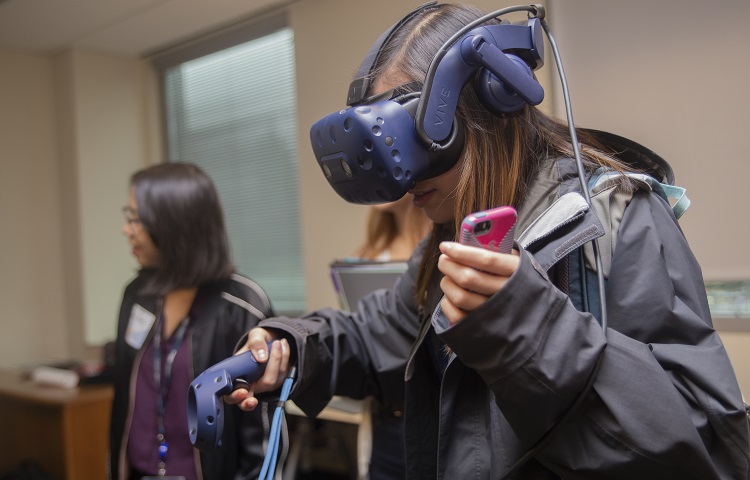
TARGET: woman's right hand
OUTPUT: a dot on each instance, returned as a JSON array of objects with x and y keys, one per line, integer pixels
[
  {"x": 277, "y": 367},
  {"x": 471, "y": 276}
]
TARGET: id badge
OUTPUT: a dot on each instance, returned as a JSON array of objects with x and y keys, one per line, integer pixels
[{"x": 139, "y": 324}]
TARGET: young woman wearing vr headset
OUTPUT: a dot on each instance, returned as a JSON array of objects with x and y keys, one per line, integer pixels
[{"x": 502, "y": 359}]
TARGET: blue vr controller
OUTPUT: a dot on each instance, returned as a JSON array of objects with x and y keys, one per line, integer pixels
[{"x": 205, "y": 408}]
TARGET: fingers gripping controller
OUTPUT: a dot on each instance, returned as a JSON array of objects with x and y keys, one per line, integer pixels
[{"x": 205, "y": 409}]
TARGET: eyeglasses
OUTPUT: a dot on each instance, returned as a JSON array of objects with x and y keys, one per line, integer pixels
[{"x": 131, "y": 217}]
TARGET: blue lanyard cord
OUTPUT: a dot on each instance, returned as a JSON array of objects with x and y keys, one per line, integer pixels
[
  {"x": 272, "y": 454},
  {"x": 162, "y": 387}
]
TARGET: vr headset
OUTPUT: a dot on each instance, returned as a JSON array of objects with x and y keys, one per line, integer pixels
[{"x": 378, "y": 148}]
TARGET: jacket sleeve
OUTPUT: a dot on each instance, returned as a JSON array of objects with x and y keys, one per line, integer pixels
[
  {"x": 253, "y": 428},
  {"x": 664, "y": 403},
  {"x": 354, "y": 354}
]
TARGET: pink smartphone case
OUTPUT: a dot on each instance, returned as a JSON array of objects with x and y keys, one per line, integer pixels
[{"x": 497, "y": 236}]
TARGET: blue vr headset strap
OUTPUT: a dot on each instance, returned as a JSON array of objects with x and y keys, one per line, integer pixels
[
  {"x": 482, "y": 47},
  {"x": 358, "y": 88}
]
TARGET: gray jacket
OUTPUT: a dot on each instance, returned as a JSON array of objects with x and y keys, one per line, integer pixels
[{"x": 664, "y": 402}]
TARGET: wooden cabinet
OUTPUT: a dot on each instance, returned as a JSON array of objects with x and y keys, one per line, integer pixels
[{"x": 65, "y": 430}]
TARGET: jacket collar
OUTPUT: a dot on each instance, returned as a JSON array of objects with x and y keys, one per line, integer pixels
[{"x": 555, "y": 219}]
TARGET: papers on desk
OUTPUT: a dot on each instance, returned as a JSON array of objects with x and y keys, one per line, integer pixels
[
  {"x": 353, "y": 279},
  {"x": 56, "y": 377}
]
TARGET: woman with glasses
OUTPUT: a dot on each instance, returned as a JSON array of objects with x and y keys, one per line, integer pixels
[{"x": 181, "y": 314}]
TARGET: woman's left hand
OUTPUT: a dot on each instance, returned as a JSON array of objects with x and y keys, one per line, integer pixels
[{"x": 472, "y": 275}]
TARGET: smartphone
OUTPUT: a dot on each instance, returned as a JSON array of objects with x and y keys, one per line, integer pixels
[{"x": 491, "y": 229}]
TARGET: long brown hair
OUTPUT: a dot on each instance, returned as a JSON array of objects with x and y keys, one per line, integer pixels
[{"x": 502, "y": 154}]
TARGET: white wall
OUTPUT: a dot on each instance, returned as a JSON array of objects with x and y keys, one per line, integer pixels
[
  {"x": 111, "y": 134},
  {"x": 672, "y": 75},
  {"x": 72, "y": 129},
  {"x": 32, "y": 321}
]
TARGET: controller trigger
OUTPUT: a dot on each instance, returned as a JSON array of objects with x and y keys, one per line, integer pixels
[{"x": 240, "y": 383}]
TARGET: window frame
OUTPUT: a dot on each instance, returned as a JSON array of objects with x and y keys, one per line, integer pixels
[{"x": 225, "y": 38}]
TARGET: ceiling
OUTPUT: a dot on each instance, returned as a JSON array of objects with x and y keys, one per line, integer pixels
[{"x": 130, "y": 27}]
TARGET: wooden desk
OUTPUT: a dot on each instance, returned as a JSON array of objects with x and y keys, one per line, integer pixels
[{"x": 65, "y": 430}]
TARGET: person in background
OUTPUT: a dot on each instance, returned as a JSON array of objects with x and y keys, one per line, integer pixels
[
  {"x": 393, "y": 232},
  {"x": 181, "y": 314},
  {"x": 501, "y": 358}
]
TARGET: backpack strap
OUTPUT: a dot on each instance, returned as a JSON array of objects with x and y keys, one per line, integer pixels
[
  {"x": 611, "y": 192},
  {"x": 672, "y": 194},
  {"x": 567, "y": 226}
]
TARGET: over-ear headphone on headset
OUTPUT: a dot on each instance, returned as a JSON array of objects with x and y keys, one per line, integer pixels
[{"x": 378, "y": 148}]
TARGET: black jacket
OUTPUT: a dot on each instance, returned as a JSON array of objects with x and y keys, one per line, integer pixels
[
  {"x": 664, "y": 404},
  {"x": 231, "y": 308}
]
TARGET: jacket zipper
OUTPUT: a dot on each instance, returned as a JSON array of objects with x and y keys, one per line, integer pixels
[{"x": 425, "y": 325}]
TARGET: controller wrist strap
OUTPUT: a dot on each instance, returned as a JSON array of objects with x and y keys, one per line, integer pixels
[{"x": 274, "y": 438}]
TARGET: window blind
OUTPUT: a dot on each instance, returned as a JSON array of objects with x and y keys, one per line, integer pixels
[{"x": 233, "y": 112}]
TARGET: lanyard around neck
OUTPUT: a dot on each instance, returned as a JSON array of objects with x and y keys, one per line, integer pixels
[{"x": 162, "y": 384}]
